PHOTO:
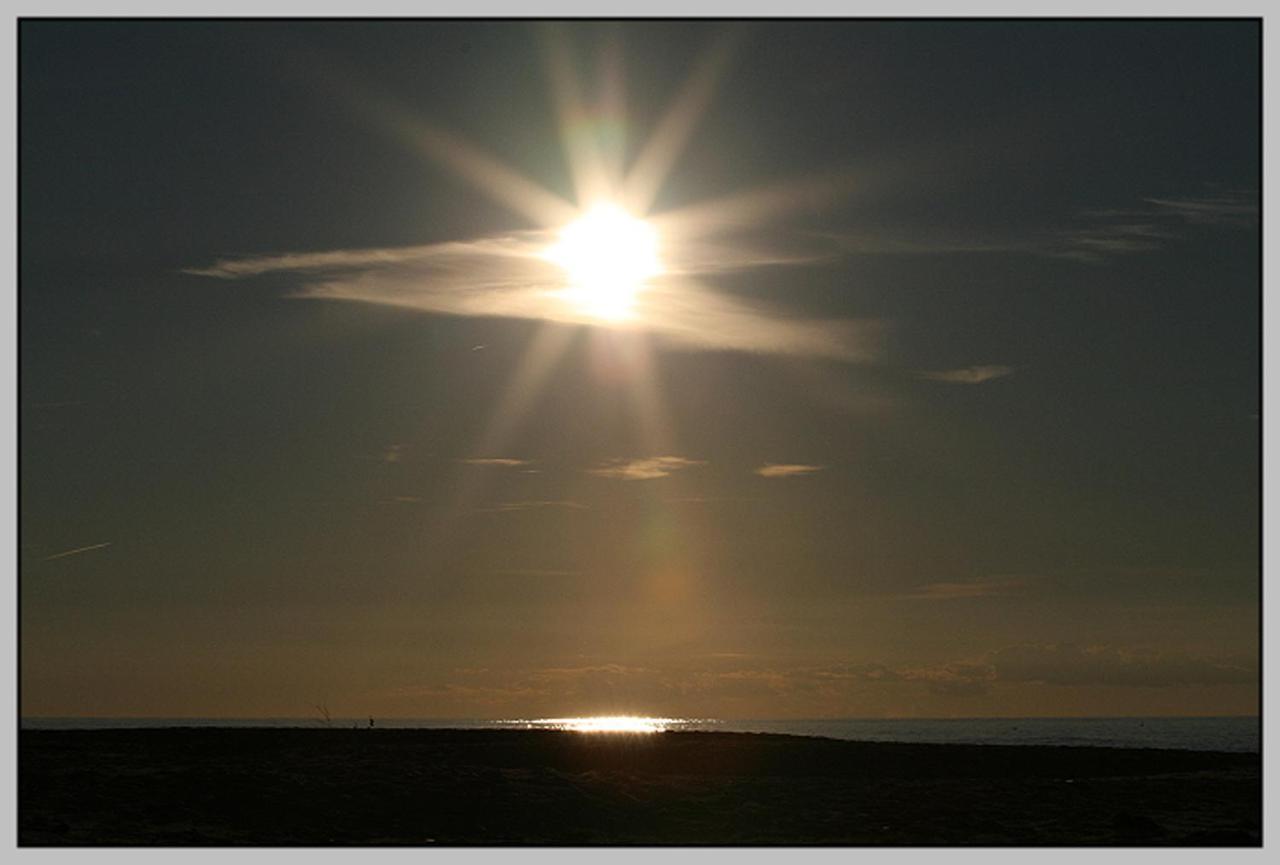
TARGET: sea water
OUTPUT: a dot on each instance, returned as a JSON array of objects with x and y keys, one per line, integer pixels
[{"x": 1202, "y": 734}]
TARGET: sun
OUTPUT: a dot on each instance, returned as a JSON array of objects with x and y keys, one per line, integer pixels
[{"x": 607, "y": 255}]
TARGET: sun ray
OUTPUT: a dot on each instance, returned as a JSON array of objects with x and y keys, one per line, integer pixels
[
  {"x": 545, "y": 350},
  {"x": 591, "y": 127},
  {"x": 643, "y": 182},
  {"x": 579, "y": 132},
  {"x": 499, "y": 182},
  {"x": 756, "y": 206},
  {"x": 613, "y": 107},
  {"x": 650, "y": 411},
  {"x": 540, "y": 357},
  {"x": 632, "y": 351}
]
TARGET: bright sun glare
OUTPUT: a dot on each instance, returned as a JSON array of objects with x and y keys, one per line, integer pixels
[
  {"x": 606, "y": 724},
  {"x": 607, "y": 254}
]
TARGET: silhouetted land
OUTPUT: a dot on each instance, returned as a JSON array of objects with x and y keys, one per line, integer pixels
[{"x": 313, "y": 787}]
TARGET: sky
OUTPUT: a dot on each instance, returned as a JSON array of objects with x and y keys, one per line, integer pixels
[{"x": 942, "y": 400}]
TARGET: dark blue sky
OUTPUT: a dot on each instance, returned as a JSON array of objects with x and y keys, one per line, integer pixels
[{"x": 1037, "y": 441}]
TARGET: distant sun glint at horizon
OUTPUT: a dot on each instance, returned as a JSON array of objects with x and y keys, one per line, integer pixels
[
  {"x": 607, "y": 255},
  {"x": 608, "y": 724}
]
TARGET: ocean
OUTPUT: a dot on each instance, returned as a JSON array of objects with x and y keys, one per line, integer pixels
[{"x": 1242, "y": 734}]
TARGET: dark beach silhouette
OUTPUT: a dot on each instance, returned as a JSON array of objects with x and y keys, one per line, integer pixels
[{"x": 458, "y": 787}]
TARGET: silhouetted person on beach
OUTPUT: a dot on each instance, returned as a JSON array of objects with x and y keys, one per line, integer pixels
[{"x": 370, "y": 723}]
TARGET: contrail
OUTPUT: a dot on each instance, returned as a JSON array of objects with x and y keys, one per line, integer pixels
[{"x": 76, "y": 551}]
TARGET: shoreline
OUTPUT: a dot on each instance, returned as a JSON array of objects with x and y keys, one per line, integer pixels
[
  {"x": 266, "y": 786},
  {"x": 1239, "y": 734}
]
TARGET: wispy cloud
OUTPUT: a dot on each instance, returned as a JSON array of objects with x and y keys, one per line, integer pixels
[
  {"x": 1156, "y": 223},
  {"x": 509, "y": 507},
  {"x": 786, "y": 470},
  {"x": 967, "y": 375},
  {"x": 1070, "y": 664},
  {"x": 1091, "y": 239},
  {"x": 709, "y": 499},
  {"x": 77, "y": 551},
  {"x": 1067, "y": 664},
  {"x": 731, "y": 679},
  {"x": 504, "y": 462},
  {"x": 390, "y": 454},
  {"x": 643, "y": 469},
  {"x": 1234, "y": 208},
  {"x": 1092, "y": 236},
  {"x": 1063, "y": 664},
  {"x": 343, "y": 260},
  {"x": 509, "y": 276}
]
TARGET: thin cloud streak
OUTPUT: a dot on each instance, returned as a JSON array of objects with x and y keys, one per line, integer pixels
[
  {"x": 1097, "y": 235},
  {"x": 723, "y": 678},
  {"x": 501, "y": 462},
  {"x": 710, "y": 499},
  {"x": 967, "y": 375},
  {"x": 509, "y": 507},
  {"x": 508, "y": 276},
  {"x": 513, "y": 245},
  {"x": 392, "y": 453},
  {"x": 644, "y": 469},
  {"x": 1070, "y": 664},
  {"x": 1236, "y": 208},
  {"x": 786, "y": 470},
  {"x": 77, "y": 551}
]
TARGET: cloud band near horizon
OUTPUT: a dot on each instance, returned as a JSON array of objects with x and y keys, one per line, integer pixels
[{"x": 508, "y": 276}]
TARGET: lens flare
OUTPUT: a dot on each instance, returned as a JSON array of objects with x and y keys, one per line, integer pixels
[{"x": 607, "y": 255}]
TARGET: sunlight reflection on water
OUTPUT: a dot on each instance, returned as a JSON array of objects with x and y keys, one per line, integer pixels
[{"x": 604, "y": 724}]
